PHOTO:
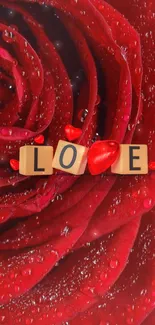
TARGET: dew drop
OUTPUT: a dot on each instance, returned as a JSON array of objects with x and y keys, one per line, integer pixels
[
  {"x": 14, "y": 27},
  {"x": 126, "y": 118},
  {"x": 59, "y": 314},
  {"x": 114, "y": 264},
  {"x": 2, "y": 319},
  {"x": 58, "y": 45},
  {"x": 103, "y": 276},
  {"x": 11, "y": 13},
  {"x": 147, "y": 300},
  {"x": 65, "y": 231},
  {"x": 130, "y": 308},
  {"x": 40, "y": 259},
  {"x": 147, "y": 203},
  {"x": 96, "y": 138},
  {"x": 101, "y": 7},
  {"x": 8, "y": 36},
  {"x": 17, "y": 289},
  {"x": 26, "y": 272},
  {"x": 129, "y": 321},
  {"x": 6, "y": 132},
  {"x": 29, "y": 321},
  {"x": 82, "y": 115},
  {"x": 89, "y": 291}
]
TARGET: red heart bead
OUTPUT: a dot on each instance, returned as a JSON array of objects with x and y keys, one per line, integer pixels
[
  {"x": 39, "y": 139},
  {"x": 72, "y": 133},
  {"x": 102, "y": 155},
  {"x": 14, "y": 164},
  {"x": 152, "y": 165}
]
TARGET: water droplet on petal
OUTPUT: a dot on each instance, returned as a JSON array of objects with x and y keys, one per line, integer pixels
[
  {"x": 58, "y": 45},
  {"x": 147, "y": 300},
  {"x": 6, "y": 132},
  {"x": 8, "y": 36},
  {"x": 129, "y": 321},
  {"x": 17, "y": 288},
  {"x": 11, "y": 13},
  {"x": 59, "y": 314},
  {"x": 89, "y": 291},
  {"x": 40, "y": 259},
  {"x": 130, "y": 308},
  {"x": 2, "y": 319},
  {"x": 65, "y": 231},
  {"x": 114, "y": 263},
  {"x": 126, "y": 118},
  {"x": 147, "y": 203},
  {"x": 29, "y": 321},
  {"x": 26, "y": 272},
  {"x": 14, "y": 27},
  {"x": 103, "y": 276},
  {"x": 82, "y": 115}
]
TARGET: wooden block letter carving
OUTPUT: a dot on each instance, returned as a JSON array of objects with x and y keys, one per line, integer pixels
[
  {"x": 133, "y": 160},
  {"x": 36, "y": 160},
  {"x": 70, "y": 157}
]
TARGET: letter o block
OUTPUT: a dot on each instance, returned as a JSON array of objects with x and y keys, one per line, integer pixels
[
  {"x": 70, "y": 157},
  {"x": 35, "y": 160},
  {"x": 133, "y": 160}
]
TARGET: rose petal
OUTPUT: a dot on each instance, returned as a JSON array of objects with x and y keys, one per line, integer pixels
[
  {"x": 132, "y": 296},
  {"x": 54, "y": 227},
  {"x": 44, "y": 256},
  {"x": 83, "y": 279}
]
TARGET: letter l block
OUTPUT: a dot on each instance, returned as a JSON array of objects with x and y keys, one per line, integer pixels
[{"x": 35, "y": 160}]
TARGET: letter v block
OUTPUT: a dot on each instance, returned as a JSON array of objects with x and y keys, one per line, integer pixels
[
  {"x": 35, "y": 160},
  {"x": 70, "y": 157},
  {"x": 133, "y": 160}
]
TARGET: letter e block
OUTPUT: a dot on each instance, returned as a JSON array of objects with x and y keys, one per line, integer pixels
[
  {"x": 36, "y": 160},
  {"x": 70, "y": 157},
  {"x": 133, "y": 160}
]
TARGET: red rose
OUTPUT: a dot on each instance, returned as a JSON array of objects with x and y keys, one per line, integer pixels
[{"x": 82, "y": 251}]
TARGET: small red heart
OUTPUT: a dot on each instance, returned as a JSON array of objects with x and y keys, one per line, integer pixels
[
  {"x": 14, "y": 164},
  {"x": 152, "y": 165},
  {"x": 72, "y": 133},
  {"x": 39, "y": 139},
  {"x": 102, "y": 155}
]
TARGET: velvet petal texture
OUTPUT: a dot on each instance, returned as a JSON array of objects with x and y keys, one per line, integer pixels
[{"x": 76, "y": 250}]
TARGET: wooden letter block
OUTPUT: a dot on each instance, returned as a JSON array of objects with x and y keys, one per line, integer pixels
[
  {"x": 70, "y": 157},
  {"x": 133, "y": 160},
  {"x": 36, "y": 160}
]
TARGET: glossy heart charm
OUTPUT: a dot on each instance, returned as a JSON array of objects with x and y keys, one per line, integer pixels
[
  {"x": 152, "y": 165},
  {"x": 14, "y": 164},
  {"x": 102, "y": 155},
  {"x": 39, "y": 139},
  {"x": 72, "y": 133}
]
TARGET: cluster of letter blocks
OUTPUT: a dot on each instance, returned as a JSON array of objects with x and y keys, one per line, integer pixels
[{"x": 72, "y": 158}]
